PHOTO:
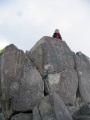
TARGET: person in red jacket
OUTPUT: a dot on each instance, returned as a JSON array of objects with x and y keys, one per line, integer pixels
[{"x": 57, "y": 34}]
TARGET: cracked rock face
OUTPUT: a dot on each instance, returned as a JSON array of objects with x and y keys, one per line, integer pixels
[
  {"x": 56, "y": 57},
  {"x": 51, "y": 54},
  {"x": 55, "y": 110},
  {"x": 83, "y": 69},
  {"x": 21, "y": 84}
]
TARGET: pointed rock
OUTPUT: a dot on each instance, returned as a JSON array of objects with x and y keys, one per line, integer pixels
[{"x": 36, "y": 113}]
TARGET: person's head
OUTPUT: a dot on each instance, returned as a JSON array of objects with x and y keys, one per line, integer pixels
[{"x": 56, "y": 31}]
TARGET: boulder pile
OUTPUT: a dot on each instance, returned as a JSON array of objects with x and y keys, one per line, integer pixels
[{"x": 49, "y": 82}]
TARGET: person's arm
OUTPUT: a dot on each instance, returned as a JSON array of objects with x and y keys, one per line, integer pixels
[{"x": 60, "y": 36}]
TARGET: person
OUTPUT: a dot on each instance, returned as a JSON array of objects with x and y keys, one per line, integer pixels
[{"x": 57, "y": 34}]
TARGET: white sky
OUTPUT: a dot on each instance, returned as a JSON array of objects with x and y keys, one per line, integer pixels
[{"x": 24, "y": 22}]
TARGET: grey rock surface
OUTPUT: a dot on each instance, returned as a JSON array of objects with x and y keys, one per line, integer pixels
[
  {"x": 12, "y": 65},
  {"x": 72, "y": 109},
  {"x": 36, "y": 113},
  {"x": 31, "y": 90},
  {"x": 0, "y": 80},
  {"x": 52, "y": 54},
  {"x": 21, "y": 83},
  {"x": 83, "y": 113},
  {"x": 46, "y": 110},
  {"x": 22, "y": 116},
  {"x": 0, "y": 73},
  {"x": 62, "y": 84},
  {"x": 51, "y": 108},
  {"x": 49, "y": 82},
  {"x": 83, "y": 69},
  {"x": 56, "y": 57},
  {"x": 1, "y": 116},
  {"x": 61, "y": 111}
]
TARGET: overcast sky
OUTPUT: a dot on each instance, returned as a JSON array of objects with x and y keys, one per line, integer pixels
[{"x": 24, "y": 22}]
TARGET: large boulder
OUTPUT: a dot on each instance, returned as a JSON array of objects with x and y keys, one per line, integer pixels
[
  {"x": 21, "y": 83},
  {"x": 83, "y": 70},
  {"x": 65, "y": 83},
  {"x": 56, "y": 57}
]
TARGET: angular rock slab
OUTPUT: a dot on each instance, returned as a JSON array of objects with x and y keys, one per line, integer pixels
[
  {"x": 46, "y": 110},
  {"x": 83, "y": 69},
  {"x": 60, "y": 109},
  {"x": 21, "y": 83},
  {"x": 56, "y": 57}
]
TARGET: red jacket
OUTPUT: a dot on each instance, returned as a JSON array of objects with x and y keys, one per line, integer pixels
[{"x": 57, "y": 35}]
